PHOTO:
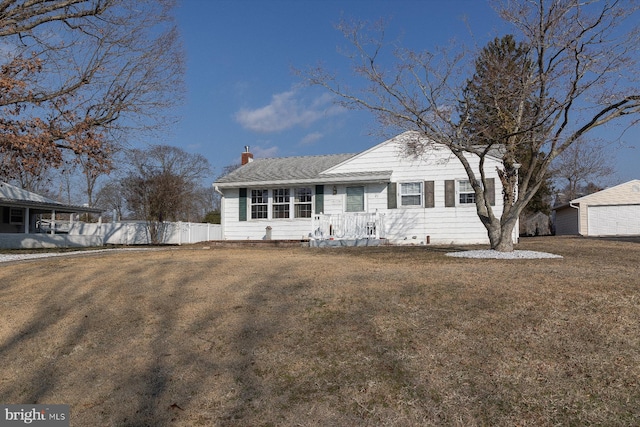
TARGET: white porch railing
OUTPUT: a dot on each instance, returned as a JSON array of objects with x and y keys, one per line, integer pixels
[{"x": 348, "y": 226}]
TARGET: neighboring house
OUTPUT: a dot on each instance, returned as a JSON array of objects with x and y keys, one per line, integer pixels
[
  {"x": 381, "y": 193},
  {"x": 614, "y": 211},
  {"x": 22, "y": 225}
]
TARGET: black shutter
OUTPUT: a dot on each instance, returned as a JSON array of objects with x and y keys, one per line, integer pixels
[
  {"x": 490, "y": 191},
  {"x": 319, "y": 199},
  {"x": 450, "y": 193},
  {"x": 429, "y": 198},
  {"x": 6, "y": 214},
  {"x": 242, "y": 205},
  {"x": 392, "y": 195}
]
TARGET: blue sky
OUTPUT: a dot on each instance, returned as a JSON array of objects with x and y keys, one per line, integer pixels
[{"x": 242, "y": 91}]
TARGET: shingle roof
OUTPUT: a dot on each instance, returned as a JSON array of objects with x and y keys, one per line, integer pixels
[
  {"x": 304, "y": 169},
  {"x": 284, "y": 168}
]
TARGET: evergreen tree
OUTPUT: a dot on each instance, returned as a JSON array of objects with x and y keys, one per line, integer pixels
[{"x": 499, "y": 107}]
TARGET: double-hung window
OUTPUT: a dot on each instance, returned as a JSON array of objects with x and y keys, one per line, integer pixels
[
  {"x": 279, "y": 203},
  {"x": 302, "y": 203},
  {"x": 16, "y": 216},
  {"x": 281, "y": 199},
  {"x": 411, "y": 194},
  {"x": 259, "y": 204},
  {"x": 466, "y": 193}
]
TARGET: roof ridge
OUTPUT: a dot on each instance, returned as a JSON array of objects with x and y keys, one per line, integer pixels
[{"x": 304, "y": 156}]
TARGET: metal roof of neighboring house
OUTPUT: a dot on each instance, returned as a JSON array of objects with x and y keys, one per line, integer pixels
[
  {"x": 11, "y": 195},
  {"x": 295, "y": 170}
]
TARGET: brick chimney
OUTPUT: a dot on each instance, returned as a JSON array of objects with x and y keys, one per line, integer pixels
[{"x": 246, "y": 156}]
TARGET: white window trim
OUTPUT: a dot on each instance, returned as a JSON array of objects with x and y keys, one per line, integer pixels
[
  {"x": 459, "y": 193},
  {"x": 421, "y": 194},
  {"x": 287, "y": 203},
  {"x": 296, "y": 203},
  {"x": 251, "y": 204},
  {"x": 270, "y": 203}
]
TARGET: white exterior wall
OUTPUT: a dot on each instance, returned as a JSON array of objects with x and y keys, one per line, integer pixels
[
  {"x": 411, "y": 225},
  {"x": 255, "y": 229},
  {"x": 375, "y": 197}
]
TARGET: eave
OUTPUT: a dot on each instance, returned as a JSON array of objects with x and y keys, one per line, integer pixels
[
  {"x": 351, "y": 178},
  {"x": 61, "y": 208}
]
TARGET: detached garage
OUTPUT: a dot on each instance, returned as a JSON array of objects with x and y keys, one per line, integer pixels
[{"x": 611, "y": 212}]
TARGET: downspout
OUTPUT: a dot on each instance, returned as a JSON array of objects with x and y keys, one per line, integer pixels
[
  {"x": 579, "y": 219},
  {"x": 217, "y": 190}
]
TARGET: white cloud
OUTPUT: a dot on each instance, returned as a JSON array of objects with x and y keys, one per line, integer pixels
[
  {"x": 264, "y": 153},
  {"x": 286, "y": 111},
  {"x": 311, "y": 138}
]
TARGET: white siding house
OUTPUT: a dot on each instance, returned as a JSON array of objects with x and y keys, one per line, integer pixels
[
  {"x": 614, "y": 211},
  {"x": 381, "y": 193},
  {"x": 21, "y": 224}
]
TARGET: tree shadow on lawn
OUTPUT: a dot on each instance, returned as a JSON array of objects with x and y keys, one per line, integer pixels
[
  {"x": 156, "y": 342},
  {"x": 193, "y": 339},
  {"x": 108, "y": 351}
]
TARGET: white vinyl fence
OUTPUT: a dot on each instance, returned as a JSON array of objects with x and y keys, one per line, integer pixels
[{"x": 137, "y": 233}]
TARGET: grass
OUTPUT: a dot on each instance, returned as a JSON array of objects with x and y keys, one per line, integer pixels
[{"x": 383, "y": 336}]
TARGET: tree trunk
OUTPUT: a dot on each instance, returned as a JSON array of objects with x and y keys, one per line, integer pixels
[{"x": 501, "y": 234}]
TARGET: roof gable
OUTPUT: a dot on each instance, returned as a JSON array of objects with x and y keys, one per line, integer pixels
[
  {"x": 397, "y": 147},
  {"x": 628, "y": 192}
]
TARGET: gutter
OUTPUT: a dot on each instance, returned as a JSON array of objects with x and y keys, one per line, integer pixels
[{"x": 383, "y": 177}]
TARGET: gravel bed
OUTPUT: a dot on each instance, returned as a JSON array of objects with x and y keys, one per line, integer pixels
[{"x": 491, "y": 254}]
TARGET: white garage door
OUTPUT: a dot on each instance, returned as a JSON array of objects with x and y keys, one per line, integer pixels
[{"x": 621, "y": 220}]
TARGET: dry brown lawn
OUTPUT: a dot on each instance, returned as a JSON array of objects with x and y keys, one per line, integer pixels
[{"x": 318, "y": 337}]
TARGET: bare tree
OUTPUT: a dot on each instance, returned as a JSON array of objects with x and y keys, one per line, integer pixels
[
  {"x": 91, "y": 171},
  {"x": 581, "y": 164},
  {"x": 36, "y": 178},
  {"x": 164, "y": 185},
  {"x": 79, "y": 74},
  {"x": 581, "y": 74},
  {"x": 110, "y": 197}
]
